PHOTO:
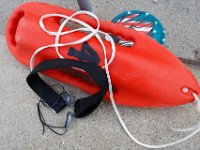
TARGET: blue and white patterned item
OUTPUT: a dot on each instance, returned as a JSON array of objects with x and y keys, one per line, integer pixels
[{"x": 143, "y": 22}]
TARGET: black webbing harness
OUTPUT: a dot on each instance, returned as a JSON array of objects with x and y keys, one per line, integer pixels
[{"x": 48, "y": 95}]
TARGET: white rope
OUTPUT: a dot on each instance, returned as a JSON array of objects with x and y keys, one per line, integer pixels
[
  {"x": 95, "y": 32},
  {"x": 196, "y": 103},
  {"x": 60, "y": 33}
]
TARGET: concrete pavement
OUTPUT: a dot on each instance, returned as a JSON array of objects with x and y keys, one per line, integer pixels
[{"x": 20, "y": 128}]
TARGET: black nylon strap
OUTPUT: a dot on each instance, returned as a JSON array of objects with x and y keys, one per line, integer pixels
[{"x": 83, "y": 106}]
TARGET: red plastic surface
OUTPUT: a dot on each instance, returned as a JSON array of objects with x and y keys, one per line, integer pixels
[{"x": 145, "y": 75}]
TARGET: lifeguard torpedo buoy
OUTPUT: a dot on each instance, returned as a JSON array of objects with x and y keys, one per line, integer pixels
[{"x": 144, "y": 75}]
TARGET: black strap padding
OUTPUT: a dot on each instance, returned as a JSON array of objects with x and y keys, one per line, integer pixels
[{"x": 83, "y": 106}]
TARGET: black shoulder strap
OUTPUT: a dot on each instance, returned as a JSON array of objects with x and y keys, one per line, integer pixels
[{"x": 83, "y": 106}]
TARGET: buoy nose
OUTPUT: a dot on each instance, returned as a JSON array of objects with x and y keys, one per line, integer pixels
[
  {"x": 189, "y": 86},
  {"x": 190, "y": 91}
]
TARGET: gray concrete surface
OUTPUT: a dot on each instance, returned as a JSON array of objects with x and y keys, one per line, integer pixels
[{"x": 20, "y": 128}]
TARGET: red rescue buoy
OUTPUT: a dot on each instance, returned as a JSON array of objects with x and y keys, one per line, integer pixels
[{"x": 144, "y": 75}]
